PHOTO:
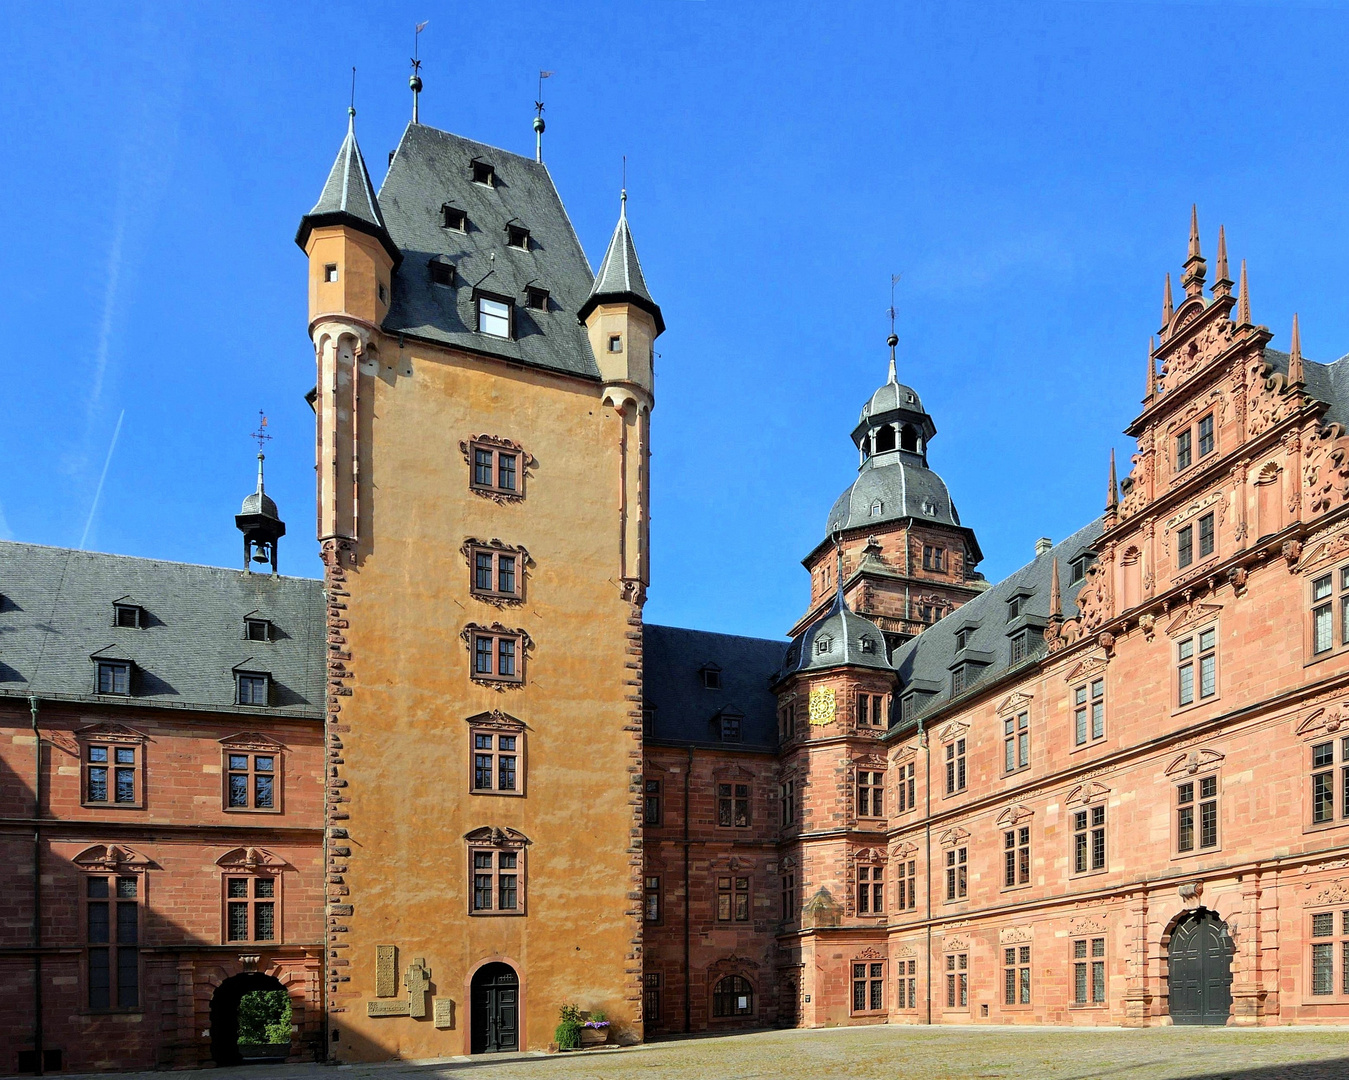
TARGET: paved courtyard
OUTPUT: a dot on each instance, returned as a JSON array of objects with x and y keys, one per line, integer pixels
[{"x": 903, "y": 1053}]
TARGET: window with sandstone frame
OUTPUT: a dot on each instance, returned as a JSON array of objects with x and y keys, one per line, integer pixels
[
  {"x": 1197, "y": 815},
  {"x": 1016, "y": 742},
  {"x": 1328, "y": 956},
  {"x": 1089, "y": 851},
  {"x": 112, "y": 919},
  {"x": 1329, "y": 787},
  {"x": 252, "y": 908},
  {"x": 1016, "y": 972},
  {"x": 870, "y": 793},
  {"x": 1196, "y": 678},
  {"x": 252, "y": 779},
  {"x": 904, "y": 788},
  {"x": 907, "y": 888},
  {"x": 496, "y": 467},
  {"x": 496, "y": 653},
  {"x": 652, "y": 899},
  {"x": 112, "y": 769},
  {"x": 496, "y": 572},
  {"x": 1328, "y": 623},
  {"x": 733, "y": 806},
  {"x": 653, "y": 802},
  {"x": 957, "y": 966},
  {"x": 957, "y": 873},
  {"x": 1089, "y": 712},
  {"x": 868, "y": 987},
  {"x": 1089, "y": 972},
  {"x": 1016, "y": 857},
  {"x": 954, "y": 753},
  {"x": 906, "y": 985},
  {"x": 496, "y": 869},
  {"x": 732, "y": 898},
  {"x": 498, "y": 764},
  {"x": 870, "y": 889}
]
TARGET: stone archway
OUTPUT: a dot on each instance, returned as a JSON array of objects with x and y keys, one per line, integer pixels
[
  {"x": 1199, "y": 969},
  {"x": 225, "y": 1013}
]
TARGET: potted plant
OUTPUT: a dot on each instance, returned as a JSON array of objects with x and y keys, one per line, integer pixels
[
  {"x": 595, "y": 1031},
  {"x": 567, "y": 1034}
]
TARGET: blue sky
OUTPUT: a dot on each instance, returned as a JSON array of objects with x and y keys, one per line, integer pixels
[{"x": 1028, "y": 168}]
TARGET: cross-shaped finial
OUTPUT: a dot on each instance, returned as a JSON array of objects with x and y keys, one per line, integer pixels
[{"x": 261, "y": 434}]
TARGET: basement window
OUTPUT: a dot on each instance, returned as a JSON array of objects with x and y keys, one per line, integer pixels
[
  {"x": 517, "y": 236},
  {"x": 453, "y": 218},
  {"x": 442, "y": 273},
  {"x": 484, "y": 174},
  {"x": 536, "y": 298}
]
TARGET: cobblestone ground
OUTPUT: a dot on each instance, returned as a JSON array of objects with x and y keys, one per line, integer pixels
[{"x": 900, "y": 1053}]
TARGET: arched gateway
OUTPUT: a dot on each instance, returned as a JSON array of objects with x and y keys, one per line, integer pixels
[
  {"x": 225, "y": 1013},
  {"x": 495, "y": 1009},
  {"x": 1201, "y": 969}
]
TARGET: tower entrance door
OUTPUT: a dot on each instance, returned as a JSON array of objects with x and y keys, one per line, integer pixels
[
  {"x": 495, "y": 1009},
  {"x": 1201, "y": 970}
]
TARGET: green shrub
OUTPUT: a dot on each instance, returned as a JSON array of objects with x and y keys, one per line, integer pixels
[
  {"x": 598, "y": 1015},
  {"x": 264, "y": 1017},
  {"x": 567, "y": 1035}
]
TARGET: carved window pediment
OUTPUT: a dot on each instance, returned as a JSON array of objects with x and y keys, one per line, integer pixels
[
  {"x": 1089, "y": 792},
  {"x": 494, "y": 836},
  {"x": 250, "y": 860},
  {"x": 115, "y": 733},
  {"x": 1326, "y": 719},
  {"x": 1015, "y": 702},
  {"x": 955, "y": 944},
  {"x": 869, "y": 954},
  {"x": 1333, "y": 894},
  {"x": 868, "y": 855},
  {"x": 497, "y": 719},
  {"x": 737, "y": 772},
  {"x": 1192, "y": 617},
  {"x": 113, "y": 858},
  {"x": 1195, "y": 761},
  {"x": 903, "y": 850},
  {"x": 953, "y": 730},
  {"x": 1013, "y": 935},
  {"x": 1014, "y": 815},
  {"x": 1089, "y": 666},
  {"x": 1086, "y": 924},
  {"x": 251, "y": 740},
  {"x": 954, "y": 837},
  {"x": 1324, "y": 549}
]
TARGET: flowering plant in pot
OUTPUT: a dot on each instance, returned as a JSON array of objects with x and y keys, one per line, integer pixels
[{"x": 595, "y": 1031}]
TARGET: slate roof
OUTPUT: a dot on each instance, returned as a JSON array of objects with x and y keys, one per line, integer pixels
[
  {"x": 620, "y": 275},
  {"x": 924, "y": 663},
  {"x": 838, "y": 638},
  {"x": 1325, "y": 382},
  {"x": 348, "y": 196},
  {"x": 903, "y": 486},
  {"x": 57, "y": 613},
  {"x": 432, "y": 168},
  {"x": 688, "y": 713}
]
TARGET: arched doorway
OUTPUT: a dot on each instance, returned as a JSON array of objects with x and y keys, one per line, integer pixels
[
  {"x": 225, "y": 1013},
  {"x": 1200, "y": 965},
  {"x": 494, "y": 1012}
]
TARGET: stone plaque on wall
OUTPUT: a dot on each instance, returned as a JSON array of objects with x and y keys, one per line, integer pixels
[
  {"x": 386, "y": 1008},
  {"x": 443, "y": 1012},
  {"x": 386, "y": 971}
]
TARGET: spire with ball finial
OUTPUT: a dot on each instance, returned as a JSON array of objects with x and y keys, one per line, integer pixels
[
  {"x": 415, "y": 81},
  {"x": 1193, "y": 281},
  {"x": 893, "y": 339}
]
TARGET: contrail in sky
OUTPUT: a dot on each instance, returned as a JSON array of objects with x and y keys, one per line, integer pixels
[
  {"x": 93, "y": 509},
  {"x": 109, "y": 304}
]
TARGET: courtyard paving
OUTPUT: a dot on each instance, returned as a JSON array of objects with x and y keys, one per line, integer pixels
[{"x": 900, "y": 1053}]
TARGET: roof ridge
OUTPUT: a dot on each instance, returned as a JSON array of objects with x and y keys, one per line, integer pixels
[{"x": 151, "y": 559}]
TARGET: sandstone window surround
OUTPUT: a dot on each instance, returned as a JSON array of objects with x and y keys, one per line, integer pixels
[
  {"x": 251, "y": 886},
  {"x": 906, "y": 892},
  {"x": 497, "y": 764},
  {"x": 870, "y": 793},
  {"x": 956, "y": 862},
  {"x": 653, "y": 808},
  {"x": 496, "y": 571},
  {"x": 1197, "y": 816},
  {"x": 1194, "y": 443},
  {"x": 1016, "y": 742},
  {"x": 788, "y": 802},
  {"x": 733, "y": 809},
  {"x": 789, "y": 897},
  {"x": 651, "y": 997},
  {"x": 904, "y": 787},
  {"x": 871, "y": 710},
  {"x": 934, "y": 557},
  {"x": 733, "y": 901},
  {"x": 1089, "y": 972},
  {"x": 1328, "y": 956},
  {"x": 496, "y": 653},
  {"x": 1196, "y": 670},
  {"x": 1323, "y": 796},
  {"x": 868, "y": 985},
  {"x": 1089, "y": 840},
  {"x": 651, "y": 904},
  {"x": 497, "y": 872},
  {"x": 868, "y": 865},
  {"x": 1016, "y": 857},
  {"x": 1196, "y": 540},
  {"x": 906, "y": 985},
  {"x": 732, "y": 996},
  {"x": 1016, "y": 980},
  {"x": 251, "y": 774},
  {"x": 113, "y": 898},
  {"x": 112, "y": 767},
  {"x": 1089, "y": 712},
  {"x": 954, "y": 755},
  {"x": 957, "y": 966},
  {"x": 497, "y": 467},
  {"x": 1328, "y": 620}
]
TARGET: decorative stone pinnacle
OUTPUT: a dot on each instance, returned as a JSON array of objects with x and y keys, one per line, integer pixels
[
  {"x": 1193, "y": 281},
  {"x": 1168, "y": 309},
  {"x": 1055, "y": 601},
  {"x": 1112, "y": 498},
  {"x": 1222, "y": 284},
  {"x": 1243, "y": 300},
  {"x": 1295, "y": 356},
  {"x": 1152, "y": 372}
]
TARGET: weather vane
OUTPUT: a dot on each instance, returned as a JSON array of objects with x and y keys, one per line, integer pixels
[
  {"x": 894, "y": 280},
  {"x": 415, "y": 80},
  {"x": 261, "y": 434}
]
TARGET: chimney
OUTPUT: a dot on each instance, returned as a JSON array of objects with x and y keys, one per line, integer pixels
[{"x": 1042, "y": 546}]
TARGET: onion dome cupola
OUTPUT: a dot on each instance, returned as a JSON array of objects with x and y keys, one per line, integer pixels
[
  {"x": 261, "y": 525},
  {"x": 838, "y": 638}
]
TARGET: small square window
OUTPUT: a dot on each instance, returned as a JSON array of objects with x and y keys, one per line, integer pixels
[
  {"x": 126, "y": 615},
  {"x": 453, "y": 218},
  {"x": 536, "y": 299},
  {"x": 442, "y": 273},
  {"x": 711, "y": 678},
  {"x": 114, "y": 678},
  {"x": 615, "y": 342},
  {"x": 330, "y": 272},
  {"x": 730, "y": 727},
  {"x": 257, "y": 630},
  {"x": 483, "y": 173},
  {"x": 517, "y": 236},
  {"x": 252, "y": 689},
  {"x": 494, "y": 317}
]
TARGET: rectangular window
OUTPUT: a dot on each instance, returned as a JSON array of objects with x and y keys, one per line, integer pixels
[
  {"x": 652, "y": 905},
  {"x": 1323, "y": 783},
  {"x": 250, "y": 908},
  {"x": 908, "y": 885},
  {"x": 517, "y": 236},
  {"x": 730, "y": 727},
  {"x": 733, "y": 899},
  {"x": 1089, "y": 971},
  {"x": 251, "y": 780},
  {"x": 1323, "y": 632},
  {"x": 112, "y": 937},
  {"x": 870, "y": 794},
  {"x": 1016, "y": 975},
  {"x": 1185, "y": 817},
  {"x": 494, "y": 317},
  {"x": 1016, "y": 742},
  {"x": 442, "y": 273},
  {"x": 1199, "y": 650},
  {"x": 536, "y": 298},
  {"x": 453, "y": 218},
  {"x": 114, "y": 678},
  {"x": 252, "y": 689},
  {"x": 733, "y": 805},
  {"x": 495, "y": 574},
  {"x": 482, "y": 467},
  {"x": 789, "y": 802},
  {"x": 957, "y": 980},
  {"x": 1185, "y": 547},
  {"x": 955, "y": 766},
  {"x": 1183, "y": 450},
  {"x": 868, "y": 986},
  {"x": 1089, "y": 840},
  {"x": 498, "y": 883},
  {"x": 1016, "y": 857},
  {"x": 908, "y": 984},
  {"x": 112, "y": 775},
  {"x": 651, "y": 996},
  {"x": 497, "y": 656},
  {"x": 904, "y": 791},
  {"x": 871, "y": 710},
  {"x": 652, "y": 809},
  {"x": 957, "y": 882},
  {"x": 1018, "y": 648},
  {"x": 870, "y": 890},
  {"x": 1206, "y": 536},
  {"x": 788, "y": 897},
  {"x": 330, "y": 272},
  {"x": 1206, "y": 435},
  {"x": 496, "y": 469},
  {"x": 497, "y": 763},
  {"x": 1089, "y": 712},
  {"x": 958, "y": 681},
  {"x": 934, "y": 558}
]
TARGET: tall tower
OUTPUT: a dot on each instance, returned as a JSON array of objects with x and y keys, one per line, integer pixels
[{"x": 482, "y": 510}]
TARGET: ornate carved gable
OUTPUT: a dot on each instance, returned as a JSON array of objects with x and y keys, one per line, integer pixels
[
  {"x": 1089, "y": 792},
  {"x": 1014, "y": 815},
  {"x": 114, "y": 858},
  {"x": 1270, "y": 399},
  {"x": 1086, "y": 924},
  {"x": 493, "y": 836},
  {"x": 106, "y": 732},
  {"x": 250, "y": 860},
  {"x": 954, "y": 836},
  {"x": 869, "y": 855},
  {"x": 1326, "y": 547},
  {"x": 955, "y": 944},
  {"x": 251, "y": 740},
  {"x": 1014, "y": 935},
  {"x": 1198, "y": 336},
  {"x": 1195, "y": 761},
  {"x": 1086, "y": 668},
  {"x": 869, "y": 954},
  {"x": 1334, "y": 893},
  {"x": 904, "y": 753},
  {"x": 1325, "y": 469},
  {"x": 732, "y": 772},
  {"x": 903, "y": 850},
  {"x": 502, "y": 721},
  {"x": 907, "y": 951},
  {"x": 1326, "y": 719},
  {"x": 1015, "y": 702},
  {"x": 953, "y": 730},
  {"x": 1192, "y": 616},
  {"x": 871, "y": 761}
]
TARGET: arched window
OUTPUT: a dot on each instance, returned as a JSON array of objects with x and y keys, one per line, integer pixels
[
  {"x": 908, "y": 439},
  {"x": 733, "y": 996},
  {"x": 884, "y": 438}
]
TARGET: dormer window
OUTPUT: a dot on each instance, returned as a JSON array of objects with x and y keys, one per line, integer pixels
[
  {"x": 484, "y": 174},
  {"x": 730, "y": 727},
  {"x": 517, "y": 236},
  {"x": 494, "y": 315},
  {"x": 114, "y": 677},
  {"x": 1013, "y": 608},
  {"x": 962, "y": 639},
  {"x": 1020, "y": 644},
  {"x": 711, "y": 675},
  {"x": 536, "y": 298},
  {"x": 251, "y": 688},
  {"x": 451, "y": 217},
  {"x": 442, "y": 272},
  {"x": 1079, "y": 567},
  {"x": 877, "y": 508},
  {"x": 257, "y": 630},
  {"x": 128, "y": 615},
  {"x": 868, "y": 644},
  {"x": 824, "y": 645}
]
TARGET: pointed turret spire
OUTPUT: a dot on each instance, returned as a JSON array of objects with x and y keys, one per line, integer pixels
[
  {"x": 1193, "y": 281},
  {"x": 620, "y": 274},
  {"x": 1055, "y": 599},
  {"x": 348, "y": 197},
  {"x": 1295, "y": 356},
  {"x": 1112, "y": 498},
  {"x": 1152, "y": 372},
  {"x": 1243, "y": 300},
  {"x": 1222, "y": 284},
  {"x": 1168, "y": 309}
]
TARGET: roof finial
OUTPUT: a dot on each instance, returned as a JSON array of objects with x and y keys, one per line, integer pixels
[
  {"x": 1152, "y": 372},
  {"x": 840, "y": 600},
  {"x": 1222, "y": 284},
  {"x": 1167, "y": 308},
  {"x": 351, "y": 109},
  {"x": 415, "y": 82},
  {"x": 1193, "y": 281},
  {"x": 623, "y": 193},
  {"x": 893, "y": 339},
  {"x": 261, "y": 434},
  {"x": 1055, "y": 600},
  {"x": 1243, "y": 300},
  {"x": 538, "y": 119},
  {"x": 1295, "y": 356},
  {"x": 1112, "y": 498}
]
